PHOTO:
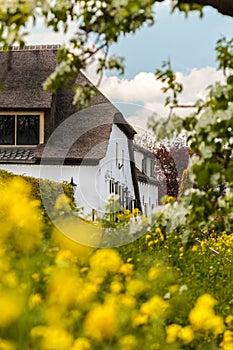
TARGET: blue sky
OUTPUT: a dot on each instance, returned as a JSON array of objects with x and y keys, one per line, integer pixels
[{"x": 188, "y": 42}]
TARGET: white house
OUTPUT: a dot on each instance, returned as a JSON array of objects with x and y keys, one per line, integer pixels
[
  {"x": 148, "y": 185},
  {"x": 43, "y": 135}
]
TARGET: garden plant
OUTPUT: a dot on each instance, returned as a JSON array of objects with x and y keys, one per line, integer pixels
[{"x": 172, "y": 288}]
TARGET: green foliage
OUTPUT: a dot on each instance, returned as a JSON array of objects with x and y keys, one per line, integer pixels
[
  {"x": 209, "y": 137},
  {"x": 97, "y": 24},
  {"x": 224, "y": 51},
  {"x": 167, "y": 76},
  {"x": 153, "y": 292},
  {"x": 187, "y": 8},
  {"x": 51, "y": 190}
]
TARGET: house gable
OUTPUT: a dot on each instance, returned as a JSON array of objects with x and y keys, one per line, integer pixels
[
  {"x": 81, "y": 136},
  {"x": 22, "y": 74}
]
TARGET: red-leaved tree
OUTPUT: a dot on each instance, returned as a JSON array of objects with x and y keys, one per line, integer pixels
[{"x": 171, "y": 160}]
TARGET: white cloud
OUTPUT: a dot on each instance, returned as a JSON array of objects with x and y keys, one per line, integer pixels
[
  {"x": 144, "y": 93},
  {"x": 140, "y": 96},
  {"x": 144, "y": 87}
]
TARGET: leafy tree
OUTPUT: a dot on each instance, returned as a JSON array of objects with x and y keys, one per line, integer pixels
[
  {"x": 166, "y": 170},
  {"x": 210, "y": 137},
  {"x": 171, "y": 160}
]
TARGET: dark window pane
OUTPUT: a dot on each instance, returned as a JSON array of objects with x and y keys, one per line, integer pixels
[
  {"x": 144, "y": 165},
  {"x": 28, "y": 127},
  {"x": 7, "y": 129}
]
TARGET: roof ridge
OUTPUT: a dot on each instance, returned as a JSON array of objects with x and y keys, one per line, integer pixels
[{"x": 41, "y": 47}]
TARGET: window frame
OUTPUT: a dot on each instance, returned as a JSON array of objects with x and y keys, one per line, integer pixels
[
  {"x": 25, "y": 113},
  {"x": 144, "y": 165},
  {"x": 152, "y": 168}
]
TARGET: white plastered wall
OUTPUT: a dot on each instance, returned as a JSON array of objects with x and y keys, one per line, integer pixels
[{"x": 92, "y": 190}]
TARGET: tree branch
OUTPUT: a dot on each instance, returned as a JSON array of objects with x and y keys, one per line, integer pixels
[{"x": 225, "y": 7}]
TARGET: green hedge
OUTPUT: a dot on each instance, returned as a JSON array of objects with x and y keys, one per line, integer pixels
[{"x": 50, "y": 189}]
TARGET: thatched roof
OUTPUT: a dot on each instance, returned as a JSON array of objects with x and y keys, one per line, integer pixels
[
  {"x": 84, "y": 136},
  {"x": 22, "y": 73}
]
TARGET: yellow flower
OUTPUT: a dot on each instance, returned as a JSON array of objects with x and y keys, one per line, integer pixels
[
  {"x": 216, "y": 324},
  {"x": 227, "y": 342},
  {"x": 128, "y": 342},
  {"x": 63, "y": 286},
  {"x": 64, "y": 257},
  {"x": 186, "y": 334},
  {"x": 139, "y": 320},
  {"x": 154, "y": 307},
  {"x": 173, "y": 289},
  {"x": 229, "y": 320},
  {"x": 53, "y": 314},
  {"x": 81, "y": 344},
  {"x": 24, "y": 222},
  {"x": 78, "y": 250},
  {"x": 127, "y": 301},
  {"x": 86, "y": 294},
  {"x": 202, "y": 316},
  {"x": 101, "y": 322},
  {"x": 135, "y": 287},
  {"x": 10, "y": 279},
  {"x": 36, "y": 277},
  {"x": 105, "y": 261},
  {"x": 6, "y": 345},
  {"x": 116, "y": 287},
  {"x": 206, "y": 300},
  {"x": 153, "y": 273},
  {"x": 35, "y": 300},
  {"x": 172, "y": 332},
  {"x": 127, "y": 269},
  {"x": 10, "y": 305},
  {"x": 52, "y": 338}
]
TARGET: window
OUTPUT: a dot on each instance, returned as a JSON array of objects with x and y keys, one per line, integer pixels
[
  {"x": 144, "y": 165},
  {"x": 116, "y": 187},
  {"x": 152, "y": 171},
  {"x": 111, "y": 186},
  {"x": 21, "y": 129}
]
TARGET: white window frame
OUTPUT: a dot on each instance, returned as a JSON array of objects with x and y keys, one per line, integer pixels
[{"x": 41, "y": 126}]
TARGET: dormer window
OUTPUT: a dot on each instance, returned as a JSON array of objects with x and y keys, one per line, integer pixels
[
  {"x": 144, "y": 165},
  {"x": 21, "y": 128},
  {"x": 152, "y": 168}
]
